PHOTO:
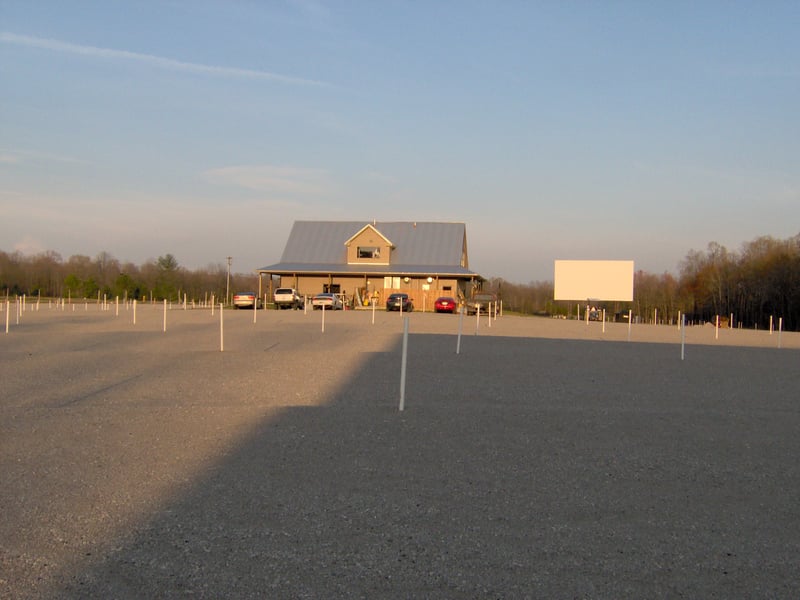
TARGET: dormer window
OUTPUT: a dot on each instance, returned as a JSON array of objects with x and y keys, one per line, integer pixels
[{"x": 369, "y": 252}]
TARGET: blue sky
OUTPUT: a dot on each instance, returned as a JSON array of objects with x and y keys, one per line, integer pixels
[{"x": 554, "y": 130}]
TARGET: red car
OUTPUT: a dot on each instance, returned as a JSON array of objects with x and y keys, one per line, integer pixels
[{"x": 445, "y": 304}]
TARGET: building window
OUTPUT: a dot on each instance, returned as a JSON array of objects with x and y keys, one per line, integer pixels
[{"x": 369, "y": 252}]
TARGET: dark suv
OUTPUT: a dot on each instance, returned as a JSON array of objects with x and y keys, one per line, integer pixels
[{"x": 399, "y": 302}]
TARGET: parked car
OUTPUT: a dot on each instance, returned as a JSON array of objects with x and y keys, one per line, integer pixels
[
  {"x": 329, "y": 301},
  {"x": 247, "y": 300},
  {"x": 445, "y": 304},
  {"x": 399, "y": 302},
  {"x": 481, "y": 302},
  {"x": 288, "y": 298}
]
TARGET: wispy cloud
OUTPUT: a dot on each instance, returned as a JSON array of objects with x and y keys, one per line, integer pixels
[
  {"x": 18, "y": 156},
  {"x": 157, "y": 61},
  {"x": 269, "y": 178},
  {"x": 29, "y": 245}
]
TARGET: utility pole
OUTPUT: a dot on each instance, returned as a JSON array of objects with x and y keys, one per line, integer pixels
[{"x": 228, "y": 284}]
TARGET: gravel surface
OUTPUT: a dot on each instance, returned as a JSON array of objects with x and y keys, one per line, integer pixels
[{"x": 548, "y": 459}]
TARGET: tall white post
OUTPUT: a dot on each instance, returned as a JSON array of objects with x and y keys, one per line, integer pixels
[{"x": 403, "y": 363}]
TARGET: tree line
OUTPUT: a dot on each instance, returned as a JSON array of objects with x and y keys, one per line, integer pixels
[
  {"x": 755, "y": 284},
  {"x": 49, "y": 275},
  {"x": 758, "y": 283}
]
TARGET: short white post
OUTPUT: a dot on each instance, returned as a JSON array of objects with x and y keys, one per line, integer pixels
[
  {"x": 8, "y": 312},
  {"x": 323, "y": 318},
  {"x": 604, "y": 320},
  {"x": 730, "y": 322},
  {"x": 477, "y": 318},
  {"x": 184, "y": 301},
  {"x": 679, "y": 319},
  {"x": 770, "y": 324},
  {"x": 630, "y": 318},
  {"x": 683, "y": 335},
  {"x": 134, "y": 311},
  {"x": 587, "y": 314},
  {"x": 403, "y": 362},
  {"x": 490, "y": 315},
  {"x": 655, "y": 316},
  {"x": 716, "y": 328},
  {"x": 780, "y": 330},
  {"x": 221, "y": 330},
  {"x": 165, "y": 314},
  {"x": 116, "y": 305},
  {"x": 373, "y": 310},
  {"x": 212, "y": 305},
  {"x": 255, "y": 308},
  {"x": 460, "y": 327}
]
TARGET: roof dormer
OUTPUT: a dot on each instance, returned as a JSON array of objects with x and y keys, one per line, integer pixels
[{"x": 369, "y": 246}]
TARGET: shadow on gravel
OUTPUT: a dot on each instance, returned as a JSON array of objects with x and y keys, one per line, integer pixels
[{"x": 520, "y": 468}]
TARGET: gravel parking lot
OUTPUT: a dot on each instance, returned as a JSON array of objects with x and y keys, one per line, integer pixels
[{"x": 548, "y": 459}]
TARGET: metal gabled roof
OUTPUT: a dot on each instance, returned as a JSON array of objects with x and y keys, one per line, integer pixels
[
  {"x": 420, "y": 245},
  {"x": 367, "y": 269}
]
